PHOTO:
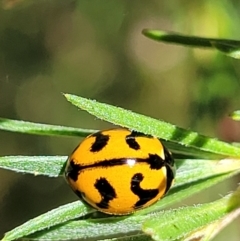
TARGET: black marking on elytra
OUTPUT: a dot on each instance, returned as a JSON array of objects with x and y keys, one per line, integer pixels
[
  {"x": 106, "y": 191},
  {"x": 100, "y": 142},
  {"x": 155, "y": 161},
  {"x": 145, "y": 195},
  {"x": 72, "y": 170},
  {"x": 132, "y": 143},
  {"x": 131, "y": 139}
]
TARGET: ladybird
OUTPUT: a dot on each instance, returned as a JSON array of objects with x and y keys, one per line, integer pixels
[{"x": 119, "y": 171}]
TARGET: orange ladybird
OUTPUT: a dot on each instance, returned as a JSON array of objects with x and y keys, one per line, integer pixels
[{"x": 119, "y": 171}]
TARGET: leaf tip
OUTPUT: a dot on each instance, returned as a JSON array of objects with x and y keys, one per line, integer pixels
[
  {"x": 154, "y": 34},
  {"x": 64, "y": 94},
  {"x": 67, "y": 96},
  {"x": 145, "y": 31},
  {"x": 151, "y": 33},
  {"x": 148, "y": 33}
]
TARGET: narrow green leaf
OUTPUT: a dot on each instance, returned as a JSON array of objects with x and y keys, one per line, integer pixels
[
  {"x": 178, "y": 223},
  {"x": 226, "y": 46},
  {"x": 137, "y": 237},
  {"x": 189, "y": 171},
  {"x": 188, "y": 152},
  {"x": 147, "y": 125},
  {"x": 235, "y": 115},
  {"x": 41, "y": 129},
  {"x": 93, "y": 229},
  {"x": 38, "y": 165},
  {"x": 176, "y": 38},
  {"x": 210, "y": 231},
  {"x": 49, "y": 219}
]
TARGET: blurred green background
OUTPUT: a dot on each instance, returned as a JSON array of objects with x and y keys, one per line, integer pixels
[{"x": 95, "y": 49}]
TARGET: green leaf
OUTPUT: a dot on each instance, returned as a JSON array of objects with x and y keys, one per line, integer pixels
[
  {"x": 188, "y": 182},
  {"x": 226, "y": 46},
  {"x": 161, "y": 129},
  {"x": 63, "y": 223},
  {"x": 137, "y": 237},
  {"x": 235, "y": 115},
  {"x": 41, "y": 129},
  {"x": 208, "y": 232},
  {"x": 49, "y": 219},
  {"x": 178, "y": 223},
  {"x": 96, "y": 229},
  {"x": 38, "y": 165}
]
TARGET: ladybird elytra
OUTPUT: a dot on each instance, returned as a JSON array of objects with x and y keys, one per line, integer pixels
[{"x": 119, "y": 171}]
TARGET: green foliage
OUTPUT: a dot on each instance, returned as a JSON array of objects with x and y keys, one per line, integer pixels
[
  {"x": 193, "y": 175},
  {"x": 202, "y": 163}
]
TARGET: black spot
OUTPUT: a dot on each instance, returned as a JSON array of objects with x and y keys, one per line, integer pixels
[
  {"x": 132, "y": 143},
  {"x": 131, "y": 140},
  {"x": 100, "y": 142},
  {"x": 155, "y": 161},
  {"x": 72, "y": 170},
  {"x": 144, "y": 195},
  {"x": 106, "y": 191}
]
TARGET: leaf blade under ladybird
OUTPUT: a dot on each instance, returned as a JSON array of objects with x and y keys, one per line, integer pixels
[
  {"x": 137, "y": 237},
  {"x": 150, "y": 126},
  {"x": 27, "y": 127}
]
